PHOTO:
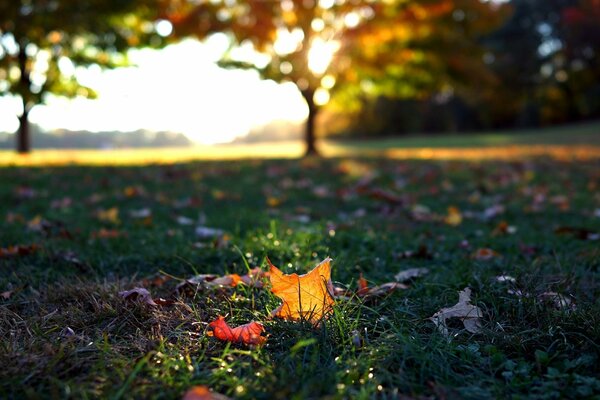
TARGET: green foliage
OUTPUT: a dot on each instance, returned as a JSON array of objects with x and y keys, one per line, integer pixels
[{"x": 43, "y": 42}]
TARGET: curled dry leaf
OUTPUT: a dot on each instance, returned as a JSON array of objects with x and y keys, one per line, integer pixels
[
  {"x": 469, "y": 314},
  {"x": 411, "y": 273},
  {"x": 202, "y": 392},
  {"x": 253, "y": 278},
  {"x": 363, "y": 286},
  {"x": 249, "y": 333},
  {"x": 308, "y": 296},
  {"x": 382, "y": 290},
  {"x": 138, "y": 293},
  {"x": 559, "y": 301}
]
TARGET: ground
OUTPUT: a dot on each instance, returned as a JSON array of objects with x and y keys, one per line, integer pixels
[{"x": 521, "y": 234}]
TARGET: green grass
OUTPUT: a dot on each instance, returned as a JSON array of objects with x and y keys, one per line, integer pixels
[
  {"x": 67, "y": 334},
  {"x": 587, "y": 133}
]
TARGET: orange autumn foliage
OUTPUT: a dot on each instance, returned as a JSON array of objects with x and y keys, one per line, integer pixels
[
  {"x": 247, "y": 334},
  {"x": 307, "y": 296}
]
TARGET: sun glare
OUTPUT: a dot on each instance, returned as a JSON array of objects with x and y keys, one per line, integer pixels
[
  {"x": 177, "y": 89},
  {"x": 320, "y": 54}
]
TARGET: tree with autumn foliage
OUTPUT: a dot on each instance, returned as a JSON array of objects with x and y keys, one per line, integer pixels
[
  {"x": 42, "y": 42},
  {"x": 359, "y": 47}
]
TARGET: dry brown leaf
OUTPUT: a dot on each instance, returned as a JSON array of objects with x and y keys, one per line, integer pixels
[
  {"x": 559, "y": 301},
  {"x": 307, "y": 296},
  {"x": 382, "y": 290},
  {"x": 411, "y": 273},
  {"x": 469, "y": 314},
  {"x": 18, "y": 250},
  {"x": 138, "y": 293},
  {"x": 249, "y": 333}
]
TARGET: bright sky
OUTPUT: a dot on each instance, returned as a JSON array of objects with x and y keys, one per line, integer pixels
[{"x": 178, "y": 89}]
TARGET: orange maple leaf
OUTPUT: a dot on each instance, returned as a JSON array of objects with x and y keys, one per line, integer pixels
[
  {"x": 248, "y": 333},
  {"x": 306, "y": 296}
]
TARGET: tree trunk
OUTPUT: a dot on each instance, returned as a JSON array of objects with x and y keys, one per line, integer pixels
[
  {"x": 309, "y": 129},
  {"x": 23, "y": 136}
]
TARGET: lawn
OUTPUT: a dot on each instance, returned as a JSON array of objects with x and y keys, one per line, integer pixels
[{"x": 523, "y": 235}]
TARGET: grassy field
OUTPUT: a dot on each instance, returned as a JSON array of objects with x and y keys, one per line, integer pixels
[
  {"x": 578, "y": 134},
  {"x": 523, "y": 235},
  {"x": 565, "y": 143}
]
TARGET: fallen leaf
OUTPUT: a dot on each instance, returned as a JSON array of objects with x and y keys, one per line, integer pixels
[
  {"x": 579, "y": 233},
  {"x": 421, "y": 252},
  {"x": 25, "y": 192},
  {"x": 421, "y": 213},
  {"x": 381, "y": 290},
  {"x": 204, "y": 232},
  {"x": 273, "y": 201},
  {"x": 253, "y": 278},
  {"x": 138, "y": 293},
  {"x": 63, "y": 203},
  {"x": 492, "y": 211},
  {"x": 7, "y": 294},
  {"x": 307, "y": 296},
  {"x": 110, "y": 215},
  {"x": 386, "y": 196},
  {"x": 363, "y": 286},
  {"x": 503, "y": 228},
  {"x": 134, "y": 191},
  {"x": 485, "y": 254},
  {"x": 12, "y": 217},
  {"x": 203, "y": 393},
  {"x": 505, "y": 278},
  {"x": 141, "y": 213},
  {"x": 559, "y": 301},
  {"x": 454, "y": 217},
  {"x": 37, "y": 224},
  {"x": 183, "y": 220},
  {"x": 469, "y": 314},
  {"x": 410, "y": 273},
  {"x": 107, "y": 234},
  {"x": 71, "y": 258},
  {"x": 249, "y": 333},
  {"x": 18, "y": 250}
]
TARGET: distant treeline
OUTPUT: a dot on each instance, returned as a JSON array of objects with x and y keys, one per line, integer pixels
[
  {"x": 64, "y": 139},
  {"x": 542, "y": 69}
]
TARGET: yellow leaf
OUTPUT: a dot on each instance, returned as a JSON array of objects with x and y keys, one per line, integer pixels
[
  {"x": 454, "y": 216},
  {"x": 307, "y": 296}
]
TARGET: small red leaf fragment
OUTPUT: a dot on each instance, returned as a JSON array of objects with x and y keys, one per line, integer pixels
[
  {"x": 202, "y": 392},
  {"x": 249, "y": 333}
]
